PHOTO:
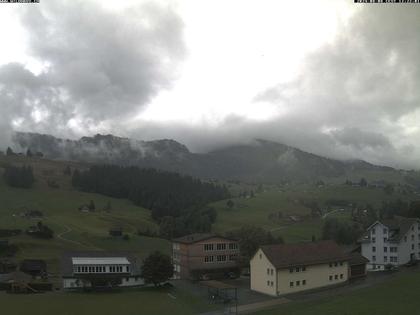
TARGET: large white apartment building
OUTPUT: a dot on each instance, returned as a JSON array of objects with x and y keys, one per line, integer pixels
[{"x": 391, "y": 242}]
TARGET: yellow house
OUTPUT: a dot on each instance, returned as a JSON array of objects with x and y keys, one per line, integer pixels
[{"x": 290, "y": 268}]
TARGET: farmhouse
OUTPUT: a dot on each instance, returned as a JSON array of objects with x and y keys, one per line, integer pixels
[
  {"x": 34, "y": 267},
  {"x": 98, "y": 269},
  {"x": 198, "y": 256},
  {"x": 391, "y": 242},
  {"x": 290, "y": 268}
]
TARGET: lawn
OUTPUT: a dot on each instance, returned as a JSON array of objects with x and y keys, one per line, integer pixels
[
  {"x": 396, "y": 296},
  {"x": 291, "y": 200},
  {"x": 148, "y": 301}
]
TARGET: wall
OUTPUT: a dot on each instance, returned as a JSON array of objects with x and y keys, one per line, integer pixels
[
  {"x": 316, "y": 276},
  {"x": 259, "y": 276}
]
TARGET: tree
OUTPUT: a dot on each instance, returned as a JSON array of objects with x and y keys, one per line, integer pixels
[
  {"x": 363, "y": 182},
  {"x": 9, "y": 151},
  {"x": 67, "y": 171},
  {"x": 157, "y": 268},
  {"x": 29, "y": 153},
  {"x": 341, "y": 232},
  {"x": 92, "y": 205},
  {"x": 250, "y": 238},
  {"x": 20, "y": 177},
  {"x": 389, "y": 189},
  {"x": 230, "y": 204}
]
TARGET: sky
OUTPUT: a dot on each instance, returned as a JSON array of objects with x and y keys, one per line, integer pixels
[{"x": 330, "y": 77}]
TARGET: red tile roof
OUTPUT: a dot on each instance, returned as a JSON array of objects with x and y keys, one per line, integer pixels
[{"x": 304, "y": 254}]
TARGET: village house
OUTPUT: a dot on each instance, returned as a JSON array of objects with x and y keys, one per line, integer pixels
[
  {"x": 289, "y": 268},
  {"x": 100, "y": 269},
  {"x": 202, "y": 256},
  {"x": 391, "y": 242}
]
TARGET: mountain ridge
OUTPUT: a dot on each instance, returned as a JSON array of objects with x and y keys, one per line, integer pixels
[{"x": 261, "y": 160}]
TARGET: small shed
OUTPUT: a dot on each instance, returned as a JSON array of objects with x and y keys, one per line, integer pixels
[
  {"x": 357, "y": 264},
  {"x": 116, "y": 231},
  {"x": 222, "y": 293},
  {"x": 34, "y": 267}
]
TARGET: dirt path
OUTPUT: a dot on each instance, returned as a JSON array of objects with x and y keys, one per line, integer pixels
[{"x": 68, "y": 230}]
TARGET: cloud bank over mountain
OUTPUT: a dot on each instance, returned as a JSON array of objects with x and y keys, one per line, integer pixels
[{"x": 356, "y": 97}]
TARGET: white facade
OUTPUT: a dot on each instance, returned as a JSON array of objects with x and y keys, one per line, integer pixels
[
  {"x": 387, "y": 245},
  {"x": 82, "y": 268}
]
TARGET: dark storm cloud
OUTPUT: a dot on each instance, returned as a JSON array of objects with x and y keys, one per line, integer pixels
[
  {"x": 357, "y": 89},
  {"x": 100, "y": 65}
]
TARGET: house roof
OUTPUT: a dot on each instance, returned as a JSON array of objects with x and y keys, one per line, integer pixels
[
  {"x": 304, "y": 254},
  {"x": 33, "y": 265},
  {"x": 67, "y": 260},
  {"x": 398, "y": 227},
  {"x": 357, "y": 259},
  {"x": 197, "y": 237},
  {"x": 100, "y": 261}
]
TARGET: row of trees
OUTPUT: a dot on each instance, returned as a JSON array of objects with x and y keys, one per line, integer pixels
[
  {"x": 177, "y": 202},
  {"x": 21, "y": 177}
]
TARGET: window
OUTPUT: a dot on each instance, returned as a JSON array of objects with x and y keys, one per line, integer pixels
[
  {"x": 272, "y": 271},
  {"x": 335, "y": 264},
  {"x": 291, "y": 270},
  {"x": 385, "y": 258},
  {"x": 303, "y": 268},
  {"x": 385, "y": 231},
  {"x": 373, "y": 231},
  {"x": 221, "y": 246},
  {"x": 331, "y": 277},
  {"x": 303, "y": 282},
  {"x": 297, "y": 283},
  {"x": 209, "y": 247},
  {"x": 393, "y": 249},
  {"x": 412, "y": 237},
  {"x": 412, "y": 246},
  {"x": 336, "y": 277},
  {"x": 233, "y": 245},
  {"x": 291, "y": 284},
  {"x": 373, "y": 258},
  {"x": 260, "y": 256},
  {"x": 233, "y": 257},
  {"x": 385, "y": 249},
  {"x": 209, "y": 259},
  {"x": 268, "y": 283},
  {"x": 268, "y": 271},
  {"x": 341, "y": 276},
  {"x": 412, "y": 228},
  {"x": 272, "y": 283},
  {"x": 373, "y": 249},
  {"x": 127, "y": 279},
  {"x": 341, "y": 263},
  {"x": 373, "y": 240},
  {"x": 297, "y": 269},
  {"x": 331, "y": 265},
  {"x": 221, "y": 258},
  {"x": 385, "y": 239}
]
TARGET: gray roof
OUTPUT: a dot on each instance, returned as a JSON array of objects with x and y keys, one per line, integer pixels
[
  {"x": 398, "y": 228},
  {"x": 67, "y": 260}
]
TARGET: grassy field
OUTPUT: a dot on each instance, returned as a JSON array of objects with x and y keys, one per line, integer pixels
[
  {"x": 263, "y": 209},
  {"x": 74, "y": 230},
  {"x": 396, "y": 296},
  {"x": 148, "y": 301}
]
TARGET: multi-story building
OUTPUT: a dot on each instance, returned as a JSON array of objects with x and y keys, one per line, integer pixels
[
  {"x": 198, "y": 256},
  {"x": 391, "y": 242},
  {"x": 90, "y": 269},
  {"x": 290, "y": 268}
]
